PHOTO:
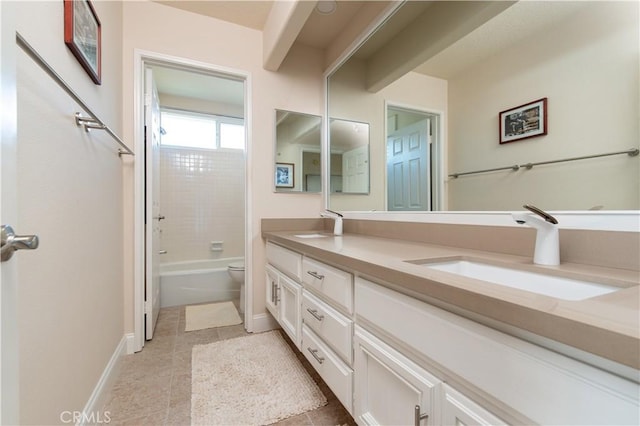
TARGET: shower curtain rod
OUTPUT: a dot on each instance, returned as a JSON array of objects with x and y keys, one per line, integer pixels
[
  {"x": 92, "y": 122},
  {"x": 630, "y": 152}
]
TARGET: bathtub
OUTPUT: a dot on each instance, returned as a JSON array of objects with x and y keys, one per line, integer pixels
[{"x": 197, "y": 281}]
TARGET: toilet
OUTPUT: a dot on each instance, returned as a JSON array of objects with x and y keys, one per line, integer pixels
[{"x": 236, "y": 272}]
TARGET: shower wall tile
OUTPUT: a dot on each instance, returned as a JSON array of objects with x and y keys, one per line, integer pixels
[{"x": 202, "y": 198}]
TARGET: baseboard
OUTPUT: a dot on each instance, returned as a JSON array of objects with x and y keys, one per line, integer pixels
[
  {"x": 92, "y": 412},
  {"x": 263, "y": 322}
]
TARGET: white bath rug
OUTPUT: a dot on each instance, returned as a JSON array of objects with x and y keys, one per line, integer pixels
[
  {"x": 211, "y": 315},
  {"x": 251, "y": 380}
]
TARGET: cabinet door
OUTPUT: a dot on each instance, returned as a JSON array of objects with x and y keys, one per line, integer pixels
[
  {"x": 389, "y": 387},
  {"x": 458, "y": 410},
  {"x": 290, "y": 301},
  {"x": 271, "y": 284}
]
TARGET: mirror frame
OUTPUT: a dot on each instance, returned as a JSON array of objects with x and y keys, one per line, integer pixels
[{"x": 603, "y": 220}]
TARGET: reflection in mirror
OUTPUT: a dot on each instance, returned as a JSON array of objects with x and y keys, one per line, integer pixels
[
  {"x": 484, "y": 57},
  {"x": 349, "y": 156},
  {"x": 297, "y": 157}
]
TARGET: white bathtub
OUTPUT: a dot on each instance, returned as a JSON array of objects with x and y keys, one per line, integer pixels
[{"x": 197, "y": 281}]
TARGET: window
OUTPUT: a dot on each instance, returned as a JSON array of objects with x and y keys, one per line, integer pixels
[{"x": 204, "y": 131}]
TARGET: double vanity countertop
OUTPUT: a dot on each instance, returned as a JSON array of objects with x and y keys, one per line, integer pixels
[{"x": 607, "y": 325}]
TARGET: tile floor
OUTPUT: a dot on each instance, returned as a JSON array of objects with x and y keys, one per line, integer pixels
[{"x": 154, "y": 386}]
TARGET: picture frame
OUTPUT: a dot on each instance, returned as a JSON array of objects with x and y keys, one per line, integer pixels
[
  {"x": 83, "y": 36},
  {"x": 524, "y": 121},
  {"x": 285, "y": 177}
]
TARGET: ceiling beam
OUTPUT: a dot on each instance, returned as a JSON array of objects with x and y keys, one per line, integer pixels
[
  {"x": 284, "y": 23},
  {"x": 437, "y": 28}
]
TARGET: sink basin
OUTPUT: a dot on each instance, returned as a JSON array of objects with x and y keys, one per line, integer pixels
[
  {"x": 310, "y": 236},
  {"x": 548, "y": 285}
]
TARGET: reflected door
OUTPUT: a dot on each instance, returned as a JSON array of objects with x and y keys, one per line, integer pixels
[{"x": 408, "y": 168}]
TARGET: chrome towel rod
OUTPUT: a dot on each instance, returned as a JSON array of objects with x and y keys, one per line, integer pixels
[
  {"x": 92, "y": 122},
  {"x": 630, "y": 152}
]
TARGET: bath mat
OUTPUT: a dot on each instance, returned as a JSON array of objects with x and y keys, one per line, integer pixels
[
  {"x": 251, "y": 380},
  {"x": 211, "y": 315}
]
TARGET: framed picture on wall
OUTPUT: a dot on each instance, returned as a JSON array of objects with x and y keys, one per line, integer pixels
[
  {"x": 83, "y": 36},
  {"x": 525, "y": 121},
  {"x": 284, "y": 175}
]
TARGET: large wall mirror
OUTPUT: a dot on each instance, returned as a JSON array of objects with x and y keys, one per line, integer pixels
[
  {"x": 298, "y": 165},
  {"x": 430, "y": 84}
]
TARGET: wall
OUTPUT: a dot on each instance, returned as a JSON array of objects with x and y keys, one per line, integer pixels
[
  {"x": 202, "y": 198},
  {"x": 70, "y": 300},
  {"x": 297, "y": 86},
  {"x": 588, "y": 70},
  {"x": 351, "y": 101}
]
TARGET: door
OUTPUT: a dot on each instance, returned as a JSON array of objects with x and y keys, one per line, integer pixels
[
  {"x": 389, "y": 388},
  {"x": 355, "y": 169},
  {"x": 408, "y": 169},
  {"x": 152, "y": 208},
  {"x": 272, "y": 291},
  {"x": 290, "y": 316},
  {"x": 8, "y": 216}
]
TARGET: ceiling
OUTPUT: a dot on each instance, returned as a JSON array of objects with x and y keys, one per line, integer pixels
[{"x": 319, "y": 31}]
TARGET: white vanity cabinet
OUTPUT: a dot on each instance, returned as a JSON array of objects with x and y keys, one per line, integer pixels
[
  {"x": 330, "y": 325},
  {"x": 459, "y": 410},
  {"x": 333, "y": 370},
  {"x": 390, "y": 389},
  {"x": 530, "y": 382},
  {"x": 283, "y": 293},
  {"x": 332, "y": 283}
]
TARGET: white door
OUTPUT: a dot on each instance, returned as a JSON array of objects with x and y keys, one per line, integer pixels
[
  {"x": 458, "y": 410},
  {"x": 272, "y": 291},
  {"x": 389, "y": 388},
  {"x": 8, "y": 216},
  {"x": 355, "y": 169},
  {"x": 290, "y": 316},
  {"x": 152, "y": 209},
  {"x": 408, "y": 169}
]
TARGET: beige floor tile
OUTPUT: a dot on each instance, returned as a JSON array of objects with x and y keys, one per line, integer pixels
[
  {"x": 232, "y": 331},
  {"x": 154, "y": 386}
]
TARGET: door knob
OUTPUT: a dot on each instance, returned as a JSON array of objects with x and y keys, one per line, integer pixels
[
  {"x": 162, "y": 252},
  {"x": 161, "y": 217},
  {"x": 12, "y": 242}
]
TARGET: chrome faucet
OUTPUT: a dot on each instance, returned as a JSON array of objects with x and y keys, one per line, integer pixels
[
  {"x": 337, "y": 217},
  {"x": 547, "y": 249}
]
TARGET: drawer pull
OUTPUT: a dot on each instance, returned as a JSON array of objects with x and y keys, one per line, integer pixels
[
  {"x": 417, "y": 416},
  {"x": 315, "y": 314},
  {"x": 314, "y": 352},
  {"x": 315, "y": 275}
]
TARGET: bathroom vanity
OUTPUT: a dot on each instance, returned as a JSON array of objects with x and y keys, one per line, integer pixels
[{"x": 400, "y": 342}]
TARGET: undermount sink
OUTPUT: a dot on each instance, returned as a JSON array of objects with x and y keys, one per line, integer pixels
[
  {"x": 310, "y": 236},
  {"x": 548, "y": 285}
]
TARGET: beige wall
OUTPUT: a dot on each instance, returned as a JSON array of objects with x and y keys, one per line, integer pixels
[
  {"x": 588, "y": 70},
  {"x": 70, "y": 299},
  {"x": 350, "y": 100},
  {"x": 297, "y": 86}
]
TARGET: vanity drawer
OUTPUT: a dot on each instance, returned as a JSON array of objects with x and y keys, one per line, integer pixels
[
  {"x": 333, "y": 327},
  {"x": 337, "y": 285},
  {"x": 335, "y": 373},
  {"x": 287, "y": 261}
]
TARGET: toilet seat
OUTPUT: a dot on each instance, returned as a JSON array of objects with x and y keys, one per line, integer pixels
[{"x": 236, "y": 266}]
